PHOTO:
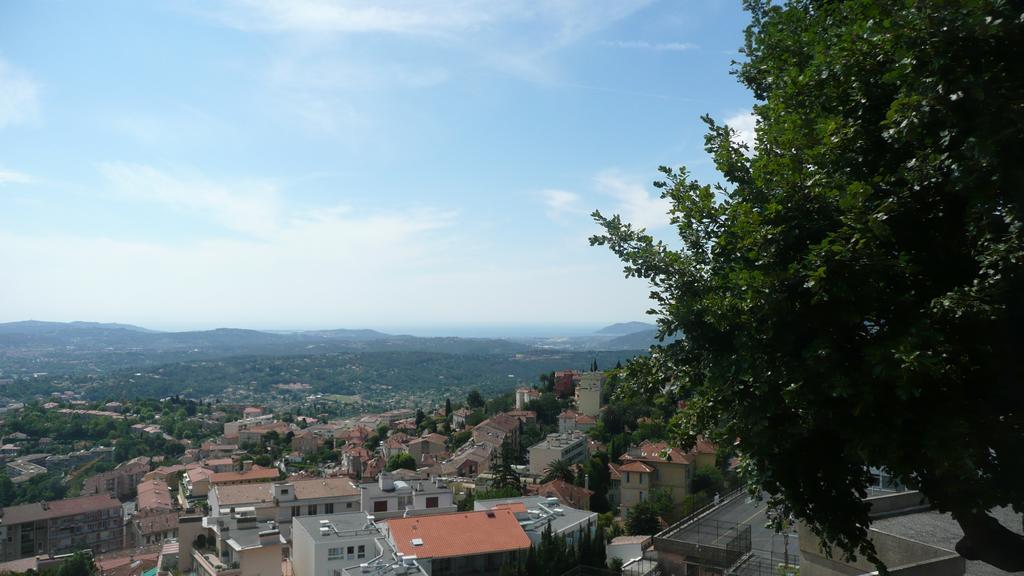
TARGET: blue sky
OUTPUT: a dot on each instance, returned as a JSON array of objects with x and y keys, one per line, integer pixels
[{"x": 311, "y": 163}]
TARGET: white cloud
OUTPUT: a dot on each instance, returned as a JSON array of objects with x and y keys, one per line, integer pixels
[
  {"x": 561, "y": 202},
  {"x": 19, "y": 96},
  {"x": 634, "y": 202},
  {"x": 570, "y": 18},
  {"x": 14, "y": 177},
  {"x": 251, "y": 207},
  {"x": 655, "y": 46},
  {"x": 745, "y": 125}
]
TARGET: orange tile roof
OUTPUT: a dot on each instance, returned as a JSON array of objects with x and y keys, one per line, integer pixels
[
  {"x": 57, "y": 508},
  {"x": 459, "y": 534},
  {"x": 255, "y": 473},
  {"x": 636, "y": 466},
  {"x": 154, "y": 494}
]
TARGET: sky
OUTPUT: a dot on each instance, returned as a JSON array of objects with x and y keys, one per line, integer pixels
[{"x": 302, "y": 164}]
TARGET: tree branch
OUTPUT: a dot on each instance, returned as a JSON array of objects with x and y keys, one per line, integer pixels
[{"x": 987, "y": 540}]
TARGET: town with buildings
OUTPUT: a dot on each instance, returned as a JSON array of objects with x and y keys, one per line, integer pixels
[{"x": 473, "y": 486}]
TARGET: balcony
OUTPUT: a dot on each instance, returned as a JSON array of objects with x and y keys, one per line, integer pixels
[{"x": 211, "y": 565}]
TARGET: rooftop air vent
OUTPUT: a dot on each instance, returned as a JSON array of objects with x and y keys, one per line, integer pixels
[{"x": 417, "y": 541}]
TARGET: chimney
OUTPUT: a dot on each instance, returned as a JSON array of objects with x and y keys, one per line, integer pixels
[
  {"x": 387, "y": 483},
  {"x": 246, "y": 465}
]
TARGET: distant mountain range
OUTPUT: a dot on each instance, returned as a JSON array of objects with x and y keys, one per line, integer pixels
[
  {"x": 625, "y": 328},
  {"x": 34, "y": 346}
]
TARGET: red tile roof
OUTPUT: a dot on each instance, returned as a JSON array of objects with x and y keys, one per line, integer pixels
[
  {"x": 257, "y": 473},
  {"x": 636, "y": 466},
  {"x": 57, "y": 508},
  {"x": 459, "y": 534},
  {"x": 568, "y": 494}
]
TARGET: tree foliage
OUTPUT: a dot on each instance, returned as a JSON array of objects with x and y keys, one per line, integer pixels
[
  {"x": 852, "y": 294},
  {"x": 401, "y": 460}
]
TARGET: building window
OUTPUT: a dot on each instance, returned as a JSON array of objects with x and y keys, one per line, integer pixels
[
  {"x": 284, "y": 491},
  {"x": 329, "y": 508},
  {"x": 333, "y": 553},
  {"x": 361, "y": 552},
  {"x": 380, "y": 506},
  {"x": 311, "y": 509},
  {"x": 351, "y": 552},
  {"x": 431, "y": 501},
  {"x": 627, "y": 477},
  {"x": 296, "y": 511},
  {"x": 348, "y": 504}
]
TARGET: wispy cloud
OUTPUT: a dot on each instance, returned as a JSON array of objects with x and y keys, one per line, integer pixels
[
  {"x": 655, "y": 46},
  {"x": 252, "y": 207},
  {"x": 401, "y": 16},
  {"x": 570, "y": 19},
  {"x": 634, "y": 202},
  {"x": 14, "y": 177},
  {"x": 562, "y": 202},
  {"x": 745, "y": 125},
  {"x": 19, "y": 96}
]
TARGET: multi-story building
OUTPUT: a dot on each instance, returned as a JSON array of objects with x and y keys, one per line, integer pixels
[
  {"x": 536, "y": 514},
  {"x": 571, "y": 448},
  {"x": 119, "y": 482},
  {"x": 346, "y": 545},
  {"x": 570, "y": 420},
  {"x": 524, "y": 396},
  {"x": 156, "y": 515},
  {"x": 251, "y": 475},
  {"x": 239, "y": 545},
  {"x": 657, "y": 465},
  {"x": 461, "y": 543},
  {"x": 429, "y": 444},
  {"x": 256, "y": 435},
  {"x": 588, "y": 393},
  {"x": 565, "y": 380},
  {"x": 388, "y": 498},
  {"x": 197, "y": 482},
  {"x": 231, "y": 429},
  {"x": 62, "y": 526},
  {"x": 496, "y": 429},
  {"x": 459, "y": 417},
  {"x": 471, "y": 459},
  {"x": 283, "y": 501}
]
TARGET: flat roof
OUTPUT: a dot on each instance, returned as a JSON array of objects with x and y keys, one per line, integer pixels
[
  {"x": 938, "y": 529},
  {"x": 535, "y": 505}
]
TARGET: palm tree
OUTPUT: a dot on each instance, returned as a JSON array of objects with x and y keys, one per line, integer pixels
[{"x": 558, "y": 470}]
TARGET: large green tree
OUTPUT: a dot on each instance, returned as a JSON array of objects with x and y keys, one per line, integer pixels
[{"x": 851, "y": 294}]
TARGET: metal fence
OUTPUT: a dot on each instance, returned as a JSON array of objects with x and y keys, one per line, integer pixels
[
  {"x": 756, "y": 565},
  {"x": 708, "y": 542}
]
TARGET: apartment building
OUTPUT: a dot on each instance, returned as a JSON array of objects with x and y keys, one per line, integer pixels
[
  {"x": 239, "y": 545},
  {"x": 536, "y": 514},
  {"x": 231, "y": 429},
  {"x": 461, "y": 543},
  {"x": 524, "y": 396},
  {"x": 119, "y": 482},
  {"x": 252, "y": 475},
  {"x": 346, "y": 545},
  {"x": 88, "y": 522},
  {"x": 570, "y": 420},
  {"x": 571, "y": 448},
  {"x": 588, "y": 393},
  {"x": 496, "y": 429},
  {"x": 283, "y": 501},
  {"x": 389, "y": 498},
  {"x": 156, "y": 515}
]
